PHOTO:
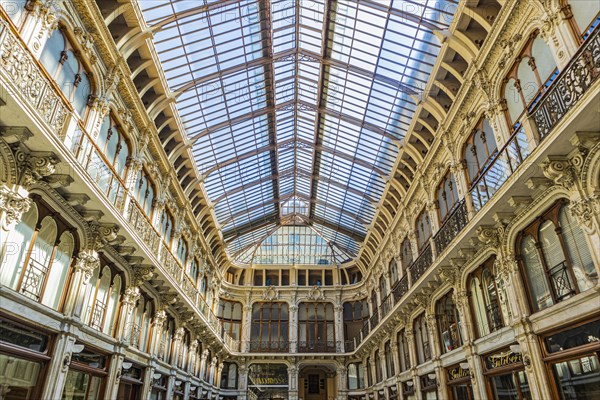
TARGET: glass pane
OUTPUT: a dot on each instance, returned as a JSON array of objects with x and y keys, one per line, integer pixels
[
  {"x": 578, "y": 249},
  {"x": 538, "y": 285},
  {"x": 504, "y": 387},
  {"x": 578, "y": 379},
  {"x": 19, "y": 377}
]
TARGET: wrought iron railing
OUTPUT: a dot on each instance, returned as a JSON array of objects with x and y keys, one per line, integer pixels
[
  {"x": 97, "y": 316},
  {"x": 24, "y": 75},
  {"x": 420, "y": 265},
  {"x": 374, "y": 319},
  {"x": 33, "y": 281},
  {"x": 569, "y": 86},
  {"x": 502, "y": 165},
  {"x": 400, "y": 288},
  {"x": 319, "y": 346},
  {"x": 494, "y": 316},
  {"x": 349, "y": 345},
  {"x": 386, "y": 306},
  {"x": 562, "y": 284},
  {"x": 268, "y": 346},
  {"x": 455, "y": 222}
]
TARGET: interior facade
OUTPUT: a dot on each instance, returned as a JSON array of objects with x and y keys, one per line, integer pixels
[{"x": 299, "y": 199}]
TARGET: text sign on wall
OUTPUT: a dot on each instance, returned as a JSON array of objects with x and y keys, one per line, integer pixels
[{"x": 267, "y": 375}]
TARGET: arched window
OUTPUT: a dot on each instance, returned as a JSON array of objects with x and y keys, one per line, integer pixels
[
  {"x": 102, "y": 297},
  {"x": 393, "y": 269},
  {"x": 487, "y": 299},
  {"x": 555, "y": 258},
  {"x": 230, "y": 314},
  {"x": 15, "y": 9},
  {"x": 316, "y": 328},
  {"x": 229, "y": 376},
  {"x": 166, "y": 227},
  {"x": 448, "y": 323},
  {"x": 143, "y": 192},
  {"x": 59, "y": 59},
  {"x": 356, "y": 313},
  {"x": 423, "y": 229},
  {"x": 382, "y": 287},
  {"x": 447, "y": 196},
  {"x": 403, "y": 351},
  {"x": 356, "y": 376},
  {"x": 269, "y": 330},
  {"x": 479, "y": 150},
  {"x": 390, "y": 369},
  {"x": 531, "y": 75},
  {"x": 182, "y": 250},
  {"x": 422, "y": 339},
  {"x": 38, "y": 256},
  {"x": 193, "y": 270}
]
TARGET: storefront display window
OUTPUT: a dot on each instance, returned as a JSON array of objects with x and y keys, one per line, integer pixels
[
  {"x": 505, "y": 376},
  {"x": 23, "y": 359},
  {"x": 459, "y": 383},
  {"x": 86, "y": 376},
  {"x": 573, "y": 356},
  {"x": 429, "y": 387}
]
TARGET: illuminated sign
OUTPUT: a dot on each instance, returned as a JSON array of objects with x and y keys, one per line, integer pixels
[{"x": 503, "y": 359}]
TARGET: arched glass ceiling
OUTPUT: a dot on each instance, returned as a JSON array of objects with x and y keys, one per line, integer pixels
[
  {"x": 294, "y": 245},
  {"x": 296, "y": 99}
]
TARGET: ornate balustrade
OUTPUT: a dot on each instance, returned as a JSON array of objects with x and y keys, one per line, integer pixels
[
  {"x": 138, "y": 220},
  {"x": 569, "y": 86},
  {"x": 23, "y": 74},
  {"x": 420, "y": 265},
  {"x": 268, "y": 346},
  {"x": 502, "y": 165},
  {"x": 319, "y": 346},
  {"x": 457, "y": 220},
  {"x": 400, "y": 288}
]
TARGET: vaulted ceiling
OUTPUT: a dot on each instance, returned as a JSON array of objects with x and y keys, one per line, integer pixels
[{"x": 296, "y": 102}]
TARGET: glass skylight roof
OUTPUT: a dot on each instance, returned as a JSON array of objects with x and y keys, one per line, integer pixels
[{"x": 281, "y": 119}]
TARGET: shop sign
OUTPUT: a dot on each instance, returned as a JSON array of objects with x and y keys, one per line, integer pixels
[
  {"x": 268, "y": 375},
  {"x": 457, "y": 373},
  {"x": 503, "y": 359}
]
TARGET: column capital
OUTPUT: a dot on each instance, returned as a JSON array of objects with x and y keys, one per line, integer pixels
[
  {"x": 87, "y": 261},
  {"x": 14, "y": 205},
  {"x": 131, "y": 296},
  {"x": 159, "y": 318}
]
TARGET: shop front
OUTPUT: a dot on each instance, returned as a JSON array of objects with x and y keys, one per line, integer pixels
[
  {"x": 572, "y": 357},
  {"x": 130, "y": 384},
  {"x": 87, "y": 375},
  {"x": 267, "y": 381},
  {"x": 505, "y": 376},
  {"x": 429, "y": 387},
  {"x": 459, "y": 383},
  {"x": 24, "y": 357}
]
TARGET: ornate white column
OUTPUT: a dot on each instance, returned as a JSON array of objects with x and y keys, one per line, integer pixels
[
  {"x": 246, "y": 328},
  {"x": 159, "y": 320},
  {"x": 339, "y": 326},
  {"x": 128, "y": 301},
  {"x": 177, "y": 338},
  {"x": 87, "y": 261},
  {"x": 293, "y": 328},
  {"x": 203, "y": 365},
  {"x": 243, "y": 381},
  {"x": 14, "y": 202},
  {"x": 342, "y": 385},
  {"x": 211, "y": 375},
  {"x": 293, "y": 382}
]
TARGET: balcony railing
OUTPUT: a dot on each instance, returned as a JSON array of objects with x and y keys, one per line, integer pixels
[
  {"x": 503, "y": 165},
  {"x": 268, "y": 346},
  {"x": 319, "y": 346},
  {"x": 400, "y": 288},
  {"x": 420, "y": 265},
  {"x": 29, "y": 82},
  {"x": 494, "y": 315},
  {"x": 457, "y": 220},
  {"x": 562, "y": 284},
  {"x": 570, "y": 85}
]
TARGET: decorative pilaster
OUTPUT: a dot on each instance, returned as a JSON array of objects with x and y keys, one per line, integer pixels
[
  {"x": 128, "y": 301},
  {"x": 293, "y": 382},
  {"x": 14, "y": 202},
  {"x": 293, "y": 328},
  {"x": 338, "y": 311},
  {"x": 87, "y": 261},
  {"x": 342, "y": 384}
]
